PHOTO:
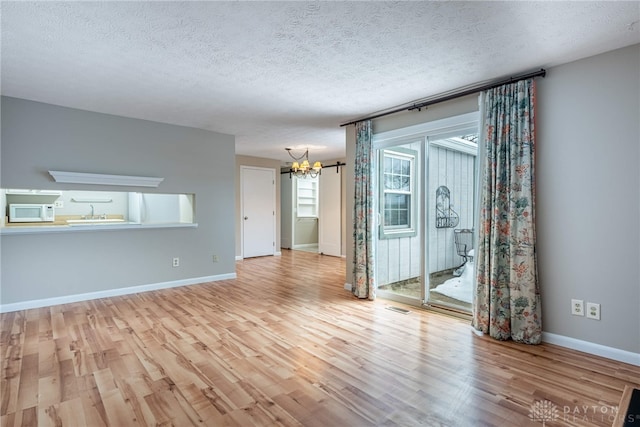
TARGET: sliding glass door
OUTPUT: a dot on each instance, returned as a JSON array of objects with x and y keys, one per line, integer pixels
[
  {"x": 451, "y": 182},
  {"x": 426, "y": 182}
]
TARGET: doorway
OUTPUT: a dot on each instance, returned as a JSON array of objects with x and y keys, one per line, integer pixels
[
  {"x": 299, "y": 212},
  {"x": 312, "y": 211},
  {"x": 258, "y": 211},
  {"x": 426, "y": 180}
]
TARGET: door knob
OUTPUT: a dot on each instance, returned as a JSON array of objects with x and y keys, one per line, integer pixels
[{"x": 246, "y": 218}]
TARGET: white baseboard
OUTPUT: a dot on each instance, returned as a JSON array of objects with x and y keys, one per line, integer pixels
[
  {"x": 592, "y": 348},
  {"x": 348, "y": 287},
  {"x": 46, "y": 302},
  {"x": 240, "y": 257},
  {"x": 304, "y": 246}
]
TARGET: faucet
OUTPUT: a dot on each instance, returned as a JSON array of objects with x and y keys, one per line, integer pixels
[{"x": 91, "y": 217}]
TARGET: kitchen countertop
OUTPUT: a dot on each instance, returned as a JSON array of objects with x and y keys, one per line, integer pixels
[{"x": 60, "y": 220}]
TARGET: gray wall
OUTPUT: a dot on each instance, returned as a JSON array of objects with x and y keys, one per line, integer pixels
[
  {"x": 588, "y": 204},
  {"x": 39, "y": 137}
]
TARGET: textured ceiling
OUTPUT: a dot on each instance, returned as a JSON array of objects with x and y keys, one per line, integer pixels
[{"x": 286, "y": 74}]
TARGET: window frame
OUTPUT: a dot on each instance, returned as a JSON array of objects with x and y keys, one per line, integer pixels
[{"x": 397, "y": 231}]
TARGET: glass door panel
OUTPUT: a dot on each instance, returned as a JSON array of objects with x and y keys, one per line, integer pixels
[
  {"x": 451, "y": 179},
  {"x": 399, "y": 245}
]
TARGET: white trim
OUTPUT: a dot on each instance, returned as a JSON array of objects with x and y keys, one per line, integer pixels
[
  {"x": 42, "y": 229},
  {"x": 457, "y": 144},
  {"x": 46, "y": 302},
  {"x": 103, "y": 179},
  {"x": 592, "y": 348},
  {"x": 348, "y": 287},
  {"x": 304, "y": 245},
  {"x": 240, "y": 257},
  {"x": 390, "y": 296}
]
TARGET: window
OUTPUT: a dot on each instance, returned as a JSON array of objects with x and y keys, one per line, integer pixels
[
  {"x": 307, "y": 197},
  {"x": 397, "y": 193}
]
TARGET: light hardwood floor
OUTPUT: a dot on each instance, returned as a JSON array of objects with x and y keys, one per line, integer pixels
[{"x": 285, "y": 344}]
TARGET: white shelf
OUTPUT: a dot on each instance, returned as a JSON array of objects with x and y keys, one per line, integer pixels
[
  {"x": 102, "y": 179},
  {"x": 43, "y": 229}
]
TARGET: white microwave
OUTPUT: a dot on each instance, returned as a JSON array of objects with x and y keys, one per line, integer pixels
[{"x": 22, "y": 212}]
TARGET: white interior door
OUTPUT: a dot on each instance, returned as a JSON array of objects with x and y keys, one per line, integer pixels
[
  {"x": 330, "y": 213},
  {"x": 258, "y": 211}
]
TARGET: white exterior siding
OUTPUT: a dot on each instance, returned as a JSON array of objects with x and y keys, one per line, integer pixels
[{"x": 456, "y": 170}]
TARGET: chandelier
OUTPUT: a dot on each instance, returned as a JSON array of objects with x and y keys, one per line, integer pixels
[{"x": 303, "y": 169}]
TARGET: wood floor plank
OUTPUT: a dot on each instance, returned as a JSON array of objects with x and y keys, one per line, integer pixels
[
  {"x": 118, "y": 411},
  {"x": 71, "y": 413},
  {"x": 92, "y": 407},
  {"x": 284, "y": 345}
]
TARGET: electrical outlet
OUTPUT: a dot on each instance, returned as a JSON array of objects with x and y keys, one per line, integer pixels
[
  {"x": 593, "y": 310},
  {"x": 577, "y": 307},
  {"x": 176, "y": 262},
  {"x": 215, "y": 258},
  {"x": 58, "y": 204}
]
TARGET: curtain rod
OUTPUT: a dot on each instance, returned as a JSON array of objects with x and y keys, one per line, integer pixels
[{"x": 453, "y": 95}]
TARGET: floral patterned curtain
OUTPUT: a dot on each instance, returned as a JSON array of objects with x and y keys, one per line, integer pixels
[
  {"x": 363, "y": 228},
  {"x": 507, "y": 300}
]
